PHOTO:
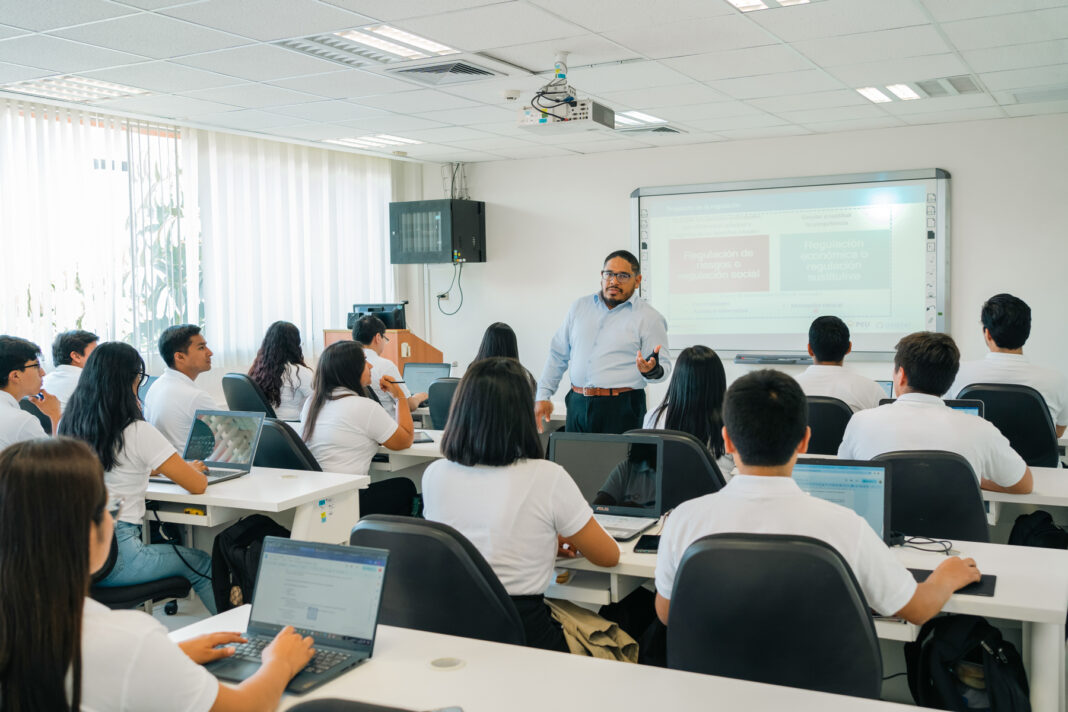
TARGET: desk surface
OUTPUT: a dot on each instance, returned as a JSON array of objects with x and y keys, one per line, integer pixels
[
  {"x": 427, "y": 451},
  {"x": 497, "y": 677},
  {"x": 1050, "y": 490},
  {"x": 265, "y": 489}
]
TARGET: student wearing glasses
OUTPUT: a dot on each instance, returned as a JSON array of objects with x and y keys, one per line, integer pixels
[
  {"x": 21, "y": 376},
  {"x": 104, "y": 412},
  {"x": 61, "y": 650},
  {"x": 611, "y": 343},
  {"x": 370, "y": 332}
]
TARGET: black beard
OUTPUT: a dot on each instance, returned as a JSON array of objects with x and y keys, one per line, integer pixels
[{"x": 609, "y": 301}]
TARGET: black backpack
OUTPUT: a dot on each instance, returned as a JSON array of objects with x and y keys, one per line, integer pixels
[
  {"x": 945, "y": 647},
  {"x": 1038, "y": 529},
  {"x": 235, "y": 559}
]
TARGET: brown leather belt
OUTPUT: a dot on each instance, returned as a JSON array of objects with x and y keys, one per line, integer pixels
[{"x": 600, "y": 391}]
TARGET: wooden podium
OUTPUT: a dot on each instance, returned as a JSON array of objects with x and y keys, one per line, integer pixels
[{"x": 403, "y": 346}]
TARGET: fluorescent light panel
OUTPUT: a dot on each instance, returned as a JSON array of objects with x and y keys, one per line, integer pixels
[
  {"x": 752, "y": 5},
  {"x": 411, "y": 39},
  {"x": 903, "y": 92},
  {"x": 641, "y": 118},
  {"x": 621, "y": 119},
  {"x": 381, "y": 44},
  {"x": 874, "y": 95},
  {"x": 72, "y": 88},
  {"x": 378, "y": 141}
]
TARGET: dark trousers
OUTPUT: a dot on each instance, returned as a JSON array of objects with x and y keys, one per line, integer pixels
[
  {"x": 542, "y": 630},
  {"x": 605, "y": 414}
]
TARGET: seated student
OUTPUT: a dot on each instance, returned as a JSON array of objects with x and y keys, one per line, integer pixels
[
  {"x": 828, "y": 344},
  {"x": 69, "y": 352},
  {"x": 280, "y": 372},
  {"x": 173, "y": 399},
  {"x": 105, "y": 413},
  {"x": 499, "y": 340},
  {"x": 924, "y": 366},
  {"x": 370, "y": 332},
  {"x": 515, "y": 507},
  {"x": 694, "y": 402},
  {"x": 765, "y": 428},
  {"x": 20, "y": 377},
  {"x": 54, "y": 522},
  {"x": 1006, "y": 326},
  {"x": 341, "y": 425}
]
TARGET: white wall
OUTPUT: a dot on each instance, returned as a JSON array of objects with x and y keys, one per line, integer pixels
[{"x": 551, "y": 221}]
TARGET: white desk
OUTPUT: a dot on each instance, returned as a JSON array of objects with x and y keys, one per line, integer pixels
[
  {"x": 325, "y": 504},
  {"x": 1050, "y": 490},
  {"x": 417, "y": 454},
  {"x": 496, "y": 677},
  {"x": 1032, "y": 587}
]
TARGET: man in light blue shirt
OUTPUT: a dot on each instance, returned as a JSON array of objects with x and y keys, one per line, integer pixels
[{"x": 611, "y": 343}]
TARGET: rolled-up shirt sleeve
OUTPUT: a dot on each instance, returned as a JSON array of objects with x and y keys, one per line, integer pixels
[{"x": 653, "y": 334}]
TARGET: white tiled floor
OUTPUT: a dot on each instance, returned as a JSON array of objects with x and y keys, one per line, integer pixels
[{"x": 190, "y": 610}]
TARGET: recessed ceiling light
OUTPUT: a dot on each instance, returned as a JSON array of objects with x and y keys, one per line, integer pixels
[
  {"x": 72, "y": 88},
  {"x": 379, "y": 141},
  {"x": 874, "y": 95},
  {"x": 903, "y": 92},
  {"x": 642, "y": 118},
  {"x": 787, "y": 3},
  {"x": 379, "y": 43},
  {"x": 751, "y": 5},
  {"x": 398, "y": 139},
  {"x": 621, "y": 119},
  {"x": 414, "y": 40}
]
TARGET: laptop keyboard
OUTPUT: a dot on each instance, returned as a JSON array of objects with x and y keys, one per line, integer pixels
[
  {"x": 620, "y": 527},
  {"x": 220, "y": 472},
  {"x": 321, "y": 662}
]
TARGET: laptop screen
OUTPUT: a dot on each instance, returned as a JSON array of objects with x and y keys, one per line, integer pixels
[
  {"x": 419, "y": 376},
  {"x": 888, "y": 388},
  {"x": 221, "y": 437},
  {"x": 966, "y": 405},
  {"x": 617, "y": 474},
  {"x": 327, "y": 591},
  {"x": 860, "y": 486}
]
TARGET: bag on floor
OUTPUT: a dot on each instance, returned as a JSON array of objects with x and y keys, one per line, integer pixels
[
  {"x": 962, "y": 663},
  {"x": 235, "y": 559},
  {"x": 1038, "y": 529}
]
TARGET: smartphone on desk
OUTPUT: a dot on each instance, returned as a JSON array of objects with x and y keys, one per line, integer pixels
[{"x": 647, "y": 544}]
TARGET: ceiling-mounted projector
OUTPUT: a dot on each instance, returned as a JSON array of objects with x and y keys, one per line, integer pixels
[{"x": 554, "y": 108}]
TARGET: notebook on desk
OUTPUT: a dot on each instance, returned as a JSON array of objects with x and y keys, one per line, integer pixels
[{"x": 225, "y": 440}]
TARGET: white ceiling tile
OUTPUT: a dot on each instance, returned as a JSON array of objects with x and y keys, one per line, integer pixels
[
  {"x": 6, "y": 31},
  {"x": 692, "y": 37},
  {"x": 854, "y": 125},
  {"x": 810, "y": 80},
  {"x": 830, "y": 19},
  {"x": 151, "y": 36},
  {"x": 817, "y": 100},
  {"x": 1026, "y": 78},
  {"x": 456, "y": 155},
  {"x": 653, "y": 98},
  {"x": 767, "y": 132},
  {"x": 347, "y": 84},
  {"x": 491, "y": 143},
  {"x": 708, "y": 111},
  {"x": 329, "y": 111},
  {"x": 259, "y": 63},
  {"x": 247, "y": 119},
  {"x": 949, "y": 10},
  {"x": 472, "y": 116},
  {"x": 60, "y": 55},
  {"x": 840, "y": 113},
  {"x": 491, "y": 91},
  {"x": 500, "y": 25},
  {"x": 162, "y": 77},
  {"x": 551, "y": 137},
  {"x": 1038, "y": 54},
  {"x": 426, "y": 150},
  {"x": 943, "y": 117},
  {"x": 400, "y": 9},
  {"x": 874, "y": 46},
  {"x": 446, "y": 134},
  {"x": 621, "y": 77},
  {"x": 1018, "y": 28},
  {"x": 747, "y": 62},
  {"x": 314, "y": 132},
  {"x": 505, "y": 128},
  {"x": 727, "y": 123},
  {"x": 686, "y": 138},
  {"x": 42, "y": 15},
  {"x": 944, "y": 103},
  {"x": 600, "y": 15},
  {"x": 268, "y": 20},
  {"x": 1037, "y": 108},
  {"x": 612, "y": 144},
  {"x": 534, "y": 151},
  {"x": 16, "y": 73},
  {"x": 252, "y": 96},
  {"x": 155, "y": 4},
  {"x": 909, "y": 69},
  {"x": 164, "y": 105},
  {"x": 418, "y": 101},
  {"x": 583, "y": 50},
  {"x": 391, "y": 123}
]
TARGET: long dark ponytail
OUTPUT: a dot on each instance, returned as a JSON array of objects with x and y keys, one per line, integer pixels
[{"x": 694, "y": 400}]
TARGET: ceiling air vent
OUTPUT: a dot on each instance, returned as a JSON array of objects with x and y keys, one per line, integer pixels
[
  {"x": 660, "y": 130},
  {"x": 949, "y": 86},
  {"x": 452, "y": 72}
]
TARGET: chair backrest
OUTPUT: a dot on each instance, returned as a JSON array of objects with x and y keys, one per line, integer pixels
[
  {"x": 1022, "y": 416},
  {"x": 142, "y": 390},
  {"x": 438, "y": 581},
  {"x": 242, "y": 393},
  {"x": 27, "y": 405},
  {"x": 439, "y": 397},
  {"x": 935, "y": 494},
  {"x": 828, "y": 418},
  {"x": 281, "y": 447},
  {"x": 785, "y": 610},
  {"x": 690, "y": 471}
]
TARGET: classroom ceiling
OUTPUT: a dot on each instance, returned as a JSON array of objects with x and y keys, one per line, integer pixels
[{"x": 707, "y": 69}]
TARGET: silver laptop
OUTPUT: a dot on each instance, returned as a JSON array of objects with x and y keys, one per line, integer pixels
[
  {"x": 419, "y": 376},
  {"x": 225, "y": 440},
  {"x": 619, "y": 475},
  {"x": 327, "y": 591}
]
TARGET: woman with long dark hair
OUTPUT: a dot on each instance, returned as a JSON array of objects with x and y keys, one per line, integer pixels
[
  {"x": 694, "y": 402},
  {"x": 499, "y": 341},
  {"x": 516, "y": 508},
  {"x": 59, "y": 649},
  {"x": 104, "y": 411},
  {"x": 280, "y": 372},
  {"x": 342, "y": 426}
]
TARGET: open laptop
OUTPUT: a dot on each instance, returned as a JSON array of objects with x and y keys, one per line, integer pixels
[
  {"x": 888, "y": 388},
  {"x": 863, "y": 486},
  {"x": 225, "y": 440},
  {"x": 327, "y": 591},
  {"x": 419, "y": 376},
  {"x": 966, "y": 405},
  {"x": 619, "y": 475}
]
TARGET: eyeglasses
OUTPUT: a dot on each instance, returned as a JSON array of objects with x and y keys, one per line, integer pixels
[
  {"x": 608, "y": 276},
  {"x": 35, "y": 364},
  {"x": 141, "y": 378}
]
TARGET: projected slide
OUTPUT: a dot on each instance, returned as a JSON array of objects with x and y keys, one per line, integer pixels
[{"x": 751, "y": 269}]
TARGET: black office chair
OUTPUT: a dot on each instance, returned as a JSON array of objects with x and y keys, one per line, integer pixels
[
  {"x": 1021, "y": 414},
  {"x": 27, "y": 405},
  {"x": 393, "y": 496},
  {"x": 438, "y": 581},
  {"x": 138, "y": 594},
  {"x": 142, "y": 390},
  {"x": 690, "y": 471},
  {"x": 242, "y": 393},
  {"x": 828, "y": 418},
  {"x": 935, "y": 494},
  {"x": 439, "y": 397},
  {"x": 281, "y": 447},
  {"x": 785, "y": 610}
]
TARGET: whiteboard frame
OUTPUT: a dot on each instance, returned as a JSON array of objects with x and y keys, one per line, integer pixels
[{"x": 941, "y": 229}]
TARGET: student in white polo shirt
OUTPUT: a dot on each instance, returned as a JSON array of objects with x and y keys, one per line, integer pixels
[
  {"x": 828, "y": 344},
  {"x": 1006, "y": 325},
  {"x": 765, "y": 429},
  {"x": 20, "y": 377},
  {"x": 69, "y": 352},
  {"x": 280, "y": 371},
  {"x": 55, "y": 531},
  {"x": 924, "y": 367},
  {"x": 370, "y": 332},
  {"x": 173, "y": 399}
]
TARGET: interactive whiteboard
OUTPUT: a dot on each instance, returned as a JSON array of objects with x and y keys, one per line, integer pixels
[{"x": 747, "y": 266}]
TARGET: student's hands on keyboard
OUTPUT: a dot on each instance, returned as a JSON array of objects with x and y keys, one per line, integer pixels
[
  {"x": 291, "y": 649},
  {"x": 203, "y": 649}
]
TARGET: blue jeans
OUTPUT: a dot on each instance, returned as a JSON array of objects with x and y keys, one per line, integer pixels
[{"x": 138, "y": 562}]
